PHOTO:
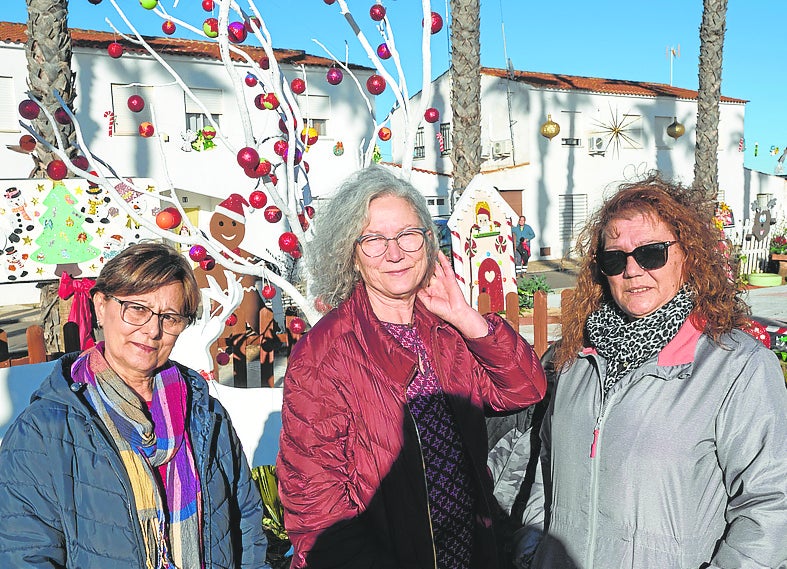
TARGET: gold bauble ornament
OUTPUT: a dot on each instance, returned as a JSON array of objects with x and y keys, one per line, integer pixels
[
  {"x": 675, "y": 129},
  {"x": 550, "y": 129}
]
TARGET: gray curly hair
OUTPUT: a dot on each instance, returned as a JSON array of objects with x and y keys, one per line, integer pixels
[{"x": 331, "y": 260}]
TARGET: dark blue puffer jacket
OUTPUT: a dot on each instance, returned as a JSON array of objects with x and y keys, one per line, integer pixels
[{"x": 66, "y": 500}]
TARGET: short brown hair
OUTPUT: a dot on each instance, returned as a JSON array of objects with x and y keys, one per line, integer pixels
[{"x": 146, "y": 267}]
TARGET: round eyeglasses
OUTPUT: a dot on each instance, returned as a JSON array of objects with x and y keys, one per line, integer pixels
[
  {"x": 138, "y": 315},
  {"x": 410, "y": 240},
  {"x": 650, "y": 257}
]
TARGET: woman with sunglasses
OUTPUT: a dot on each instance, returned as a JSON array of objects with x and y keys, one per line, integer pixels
[
  {"x": 665, "y": 442},
  {"x": 122, "y": 458},
  {"x": 382, "y": 457}
]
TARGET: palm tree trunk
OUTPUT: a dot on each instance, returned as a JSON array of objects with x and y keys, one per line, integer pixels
[
  {"x": 706, "y": 164},
  {"x": 465, "y": 91},
  {"x": 48, "y": 51}
]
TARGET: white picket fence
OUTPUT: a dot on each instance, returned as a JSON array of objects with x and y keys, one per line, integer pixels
[{"x": 754, "y": 254}]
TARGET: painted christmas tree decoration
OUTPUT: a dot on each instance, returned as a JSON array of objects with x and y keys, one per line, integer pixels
[{"x": 63, "y": 239}]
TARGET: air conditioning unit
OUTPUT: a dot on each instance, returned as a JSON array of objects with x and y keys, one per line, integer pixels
[
  {"x": 596, "y": 146},
  {"x": 501, "y": 148}
]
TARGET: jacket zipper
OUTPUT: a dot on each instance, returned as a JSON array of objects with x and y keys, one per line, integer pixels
[{"x": 423, "y": 466}]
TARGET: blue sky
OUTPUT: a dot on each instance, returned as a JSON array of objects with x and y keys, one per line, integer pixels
[{"x": 616, "y": 39}]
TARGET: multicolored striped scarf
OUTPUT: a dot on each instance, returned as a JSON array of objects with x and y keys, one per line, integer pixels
[{"x": 147, "y": 441}]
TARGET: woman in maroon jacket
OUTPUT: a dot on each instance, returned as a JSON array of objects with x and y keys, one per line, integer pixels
[{"x": 383, "y": 446}]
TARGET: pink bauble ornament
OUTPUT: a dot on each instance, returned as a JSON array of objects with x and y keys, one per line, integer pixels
[
  {"x": 272, "y": 214},
  {"x": 211, "y": 27},
  {"x": 437, "y": 22},
  {"x": 303, "y": 221},
  {"x": 298, "y": 86},
  {"x": 146, "y": 130},
  {"x": 377, "y": 12},
  {"x": 432, "y": 115},
  {"x": 222, "y": 358},
  {"x": 231, "y": 321},
  {"x": 27, "y": 143},
  {"x": 253, "y": 20},
  {"x": 384, "y": 133},
  {"x": 236, "y": 32},
  {"x": 268, "y": 292},
  {"x": 329, "y": 2},
  {"x": 288, "y": 241},
  {"x": 258, "y": 199},
  {"x": 168, "y": 27},
  {"x": 280, "y": 148},
  {"x": 306, "y": 166},
  {"x": 264, "y": 62},
  {"x": 383, "y": 52},
  {"x": 297, "y": 325},
  {"x": 207, "y": 5},
  {"x": 309, "y": 211},
  {"x": 334, "y": 76},
  {"x": 248, "y": 157},
  {"x": 61, "y": 116},
  {"x": 375, "y": 84},
  {"x": 207, "y": 263},
  {"x": 80, "y": 162},
  {"x": 197, "y": 253},
  {"x": 29, "y": 109},
  {"x": 251, "y": 80},
  {"x": 115, "y": 49},
  {"x": 136, "y": 103},
  {"x": 56, "y": 170}
]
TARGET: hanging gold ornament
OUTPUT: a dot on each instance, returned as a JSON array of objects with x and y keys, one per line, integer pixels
[
  {"x": 550, "y": 129},
  {"x": 675, "y": 129}
]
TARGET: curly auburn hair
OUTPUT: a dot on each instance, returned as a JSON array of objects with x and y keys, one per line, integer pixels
[{"x": 706, "y": 268}]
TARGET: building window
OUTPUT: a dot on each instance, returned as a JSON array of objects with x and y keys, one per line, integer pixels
[
  {"x": 420, "y": 149},
  {"x": 8, "y": 111},
  {"x": 212, "y": 100},
  {"x": 663, "y": 140},
  {"x": 573, "y": 213},
  {"x": 632, "y": 132},
  {"x": 435, "y": 201},
  {"x": 318, "y": 110},
  {"x": 126, "y": 121},
  {"x": 569, "y": 126},
  {"x": 320, "y": 125},
  {"x": 444, "y": 138}
]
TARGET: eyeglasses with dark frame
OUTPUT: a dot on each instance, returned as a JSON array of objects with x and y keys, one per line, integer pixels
[
  {"x": 138, "y": 315},
  {"x": 650, "y": 257},
  {"x": 409, "y": 240}
]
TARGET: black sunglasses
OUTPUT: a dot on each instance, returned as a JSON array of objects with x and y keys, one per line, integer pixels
[{"x": 650, "y": 257}]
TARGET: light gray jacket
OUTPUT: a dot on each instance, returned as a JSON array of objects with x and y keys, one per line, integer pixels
[{"x": 688, "y": 465}]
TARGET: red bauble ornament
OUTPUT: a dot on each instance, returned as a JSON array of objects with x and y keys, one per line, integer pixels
[
  {"x": 309, "y": 136},
  {"x": 263, "y": 168},
  {"x": 232, "y": 320},
  {"x": 168, "y": 218},
  {"x": 251, "y": 80},
  {"x": 268, "y": 292},
  {"x": 207, "y": 263},
  {"x": 146, "y": 130},
  {"x": 334, "y": 76},
  {"x": 309, "y": 211},
  {"x": 94, "y": 2},
  {"x": 264, "y": 62},
  {"x": 211, "y": 27},
  {"x": 296, "y": 254},
  {"x": 209, "y": 132},
  {"x": 258, "y": 199},
  {"x": 384, "y": 133},
  {"x": 29, "y": 109},
  {"x": 248, "y": 157},
  {"x": 236, "y": 32},
  {"x": 437, "y": 22},
  {"x": 253, "y": 20},
  {"x": 329, "y": 2},
  {"x": 432, "y": 115},
  {"x": 375, "y": 84},
  {"x": 222, "y": 358},
  {"x": 377, "y": 12},
  {"x": 298, "y": 86},
  {"x": 303, "y": 221},
  {"x": 298, "y": 156},
  {"x": 306, "y": 167},
  {"x": 168, "y": 27},
  {"x": 288, "y": 241},
  {"x": 280, "y": 148},
  {"x": 27, "y": 143},
  {"x": 274, "y": 180},
  {"x": 207, "y": 5},
  {"x": 383, "y": 52},
  {"x": 272, "y": 214},
  {"x": 115, "y": 49},
  {"x": 266, "y": 102},
  {"x": 80, "y": 162},
  {"x": 61, "y": 116},
  {"x": 297, "y": 325},
  {"x": 136, "y": 103},
  {"x": 198, "y": 253},
  {"x": 56, "y": 170}
]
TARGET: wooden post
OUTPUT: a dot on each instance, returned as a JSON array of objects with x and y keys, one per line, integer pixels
[
  {"x": 512, "y": 310},
  {"x": 540, "y": 322},
  {"x": 484, "y": 303},
  {"x": 36, "y": 349}
]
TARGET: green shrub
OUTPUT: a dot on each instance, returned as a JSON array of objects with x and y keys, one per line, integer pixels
[{"x": 526, "y": 288}]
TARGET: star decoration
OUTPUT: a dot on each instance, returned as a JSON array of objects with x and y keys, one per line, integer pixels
[
  {"x": 618, "y": 131},
  {"x": 34, "y": 201},
  {"x": 40, "y": 270},
  {"x": 27, "y": 240},
  {"x": 150, "y": 189},
  {"x": 41, "y": 188},
  {"x": 93, "y": 267},
  {"x": 78, "y": 190},
  {"x": 100, "y": 231}
]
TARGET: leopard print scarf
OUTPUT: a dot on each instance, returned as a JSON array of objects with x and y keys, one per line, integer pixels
[{"x": 626, "y": 344}]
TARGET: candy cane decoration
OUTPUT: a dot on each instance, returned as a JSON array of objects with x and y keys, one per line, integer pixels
[{"x": 111, "y": 126}]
